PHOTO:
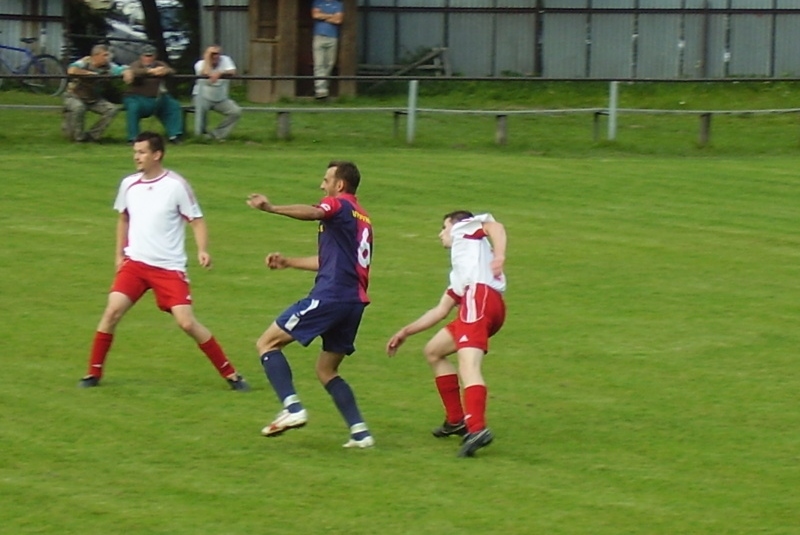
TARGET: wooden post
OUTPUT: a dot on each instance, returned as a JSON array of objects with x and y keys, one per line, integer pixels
[
  {"x": 347, "y": 62},
  {"x": 501, "y": 135},
  {"x": 186, "y": 110},
  {"x": 286, "y": 57},
  {"x": 411, "y": 120},
  {"x": 284, "y": 125},
  {"x": 596, "y": 125},
  {"x": 397, "y": 115},
  {"x": 613, "y": 101},
  {"x": 705, "y": 129}
]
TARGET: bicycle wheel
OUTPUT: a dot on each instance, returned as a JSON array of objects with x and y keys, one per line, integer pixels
[{"x": 46, "y": 64}]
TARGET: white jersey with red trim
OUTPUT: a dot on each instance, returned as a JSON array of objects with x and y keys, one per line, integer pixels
[
  {"x": 471, "y": 256},
  {"x": 158, "y": 210}
]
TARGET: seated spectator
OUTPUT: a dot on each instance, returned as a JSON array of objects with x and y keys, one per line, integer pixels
[
  {"x": 212, "y": 94},
  {"x": 147, "y": 96},
  {"x": 86, "y": 93}
]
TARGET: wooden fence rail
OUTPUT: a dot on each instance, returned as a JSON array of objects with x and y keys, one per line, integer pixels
[{"x": 284, "y": 130}]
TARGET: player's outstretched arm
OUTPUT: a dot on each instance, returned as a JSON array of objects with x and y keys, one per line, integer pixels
[
  {"x": 424, "y": 322},
  {"x": 278, "y": 261},
  {"x": 303, "y": 212}
]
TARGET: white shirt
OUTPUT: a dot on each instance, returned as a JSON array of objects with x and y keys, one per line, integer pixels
[
  {"x": 158, "y": 210},
  {"x": 218, "y": 91},
  {"x": 471, "y": 256}
]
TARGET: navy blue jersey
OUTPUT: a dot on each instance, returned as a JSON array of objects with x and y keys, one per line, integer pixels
[{"x": 345, "y": 251}]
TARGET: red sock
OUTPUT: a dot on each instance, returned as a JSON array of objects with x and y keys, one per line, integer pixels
[
  {"x": 100, "y": 348},
  {"x": 475, "y": 403},
  {"x": 217, "y": 357},
  {"x": 447, "y": 385}
]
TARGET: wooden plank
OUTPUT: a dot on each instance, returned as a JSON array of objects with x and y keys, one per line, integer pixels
[
  {"x": 705, "y": 129},
  {"x": 501, "y": 135},
  {"x": 284, "y": 125}
]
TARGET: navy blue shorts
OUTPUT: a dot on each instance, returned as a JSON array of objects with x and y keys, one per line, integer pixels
[{"x": 337, "y": 323}]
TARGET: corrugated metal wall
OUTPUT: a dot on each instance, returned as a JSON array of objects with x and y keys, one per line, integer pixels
[
  {"x": 19, "y": 18},
  {"x": 589, "y": 38},
  {"x": 233, "y": 28},
  {"x": 659, "y": 40},
  {"x": 787, "y": 54},
  {"x": 647, "y": 39},
  {"x": 548, "y": 38},
  {"x": 565, "y": 38}
]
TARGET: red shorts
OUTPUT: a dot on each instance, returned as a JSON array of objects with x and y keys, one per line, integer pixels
[
  {"x": 170, "y": 287},
  {"x": 481, "y": 313}
]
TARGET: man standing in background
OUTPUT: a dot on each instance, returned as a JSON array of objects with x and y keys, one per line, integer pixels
[{"x": 328, "y": 16}]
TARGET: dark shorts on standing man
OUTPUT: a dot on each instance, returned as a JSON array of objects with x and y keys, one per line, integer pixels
[{"x": 337, "y": 323}]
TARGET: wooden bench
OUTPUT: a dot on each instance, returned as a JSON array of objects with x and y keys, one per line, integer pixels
[
  {"x": 283, "y": 115},
  {"x": 704, "y": 116},
  {"x": 501, "y": 131},
  {"x": 284, "y": 125}
]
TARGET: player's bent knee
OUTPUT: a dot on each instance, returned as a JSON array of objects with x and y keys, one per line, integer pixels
[
  {"x": 274, "y": 338},
  {"x": 186, "y": 324},
  {"x": 325, "y": 376},
  {"x": 433, "y": 353},
  {"x": 266, "y": 344},
  {"x": 112, "y": 316}
]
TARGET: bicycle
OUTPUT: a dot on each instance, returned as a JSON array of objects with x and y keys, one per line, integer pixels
[{"x": 53, "y": 74}]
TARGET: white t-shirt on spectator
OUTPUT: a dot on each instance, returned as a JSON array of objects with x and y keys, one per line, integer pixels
[{"x": 218, "y": 91}]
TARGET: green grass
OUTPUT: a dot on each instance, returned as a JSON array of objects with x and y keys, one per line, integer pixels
[
  {"x": 645, "y": 380},
  {"x": 554, "y": 135}
]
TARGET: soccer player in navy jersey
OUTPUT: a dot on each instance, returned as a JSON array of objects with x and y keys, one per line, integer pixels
[{"x": 333, "y": 308}]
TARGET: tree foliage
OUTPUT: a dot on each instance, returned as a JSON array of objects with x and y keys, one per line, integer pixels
[
  {"x": 85, "y": 26},
  {"x": 153, "y": 27}
]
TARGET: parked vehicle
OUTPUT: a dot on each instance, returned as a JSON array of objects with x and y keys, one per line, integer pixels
[{"x": 127, "y": 34}]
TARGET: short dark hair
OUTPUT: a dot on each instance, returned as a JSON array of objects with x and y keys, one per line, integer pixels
[
  {"x": 99, "y": 48},
  {"x": 154, "y": 139},
  {"x": 458, "y": 215},
  {"x": 348, "y": 172}
]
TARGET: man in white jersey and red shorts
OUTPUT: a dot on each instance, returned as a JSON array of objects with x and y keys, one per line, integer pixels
[
  {"x": 477, "y": 246},
  {"x": 154, "y": 205}
]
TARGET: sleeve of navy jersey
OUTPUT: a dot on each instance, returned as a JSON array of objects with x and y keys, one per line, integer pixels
[{"x": 345, "y": 251}]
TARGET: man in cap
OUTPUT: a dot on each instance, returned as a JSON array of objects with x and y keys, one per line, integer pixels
[{"x": 147, "y": 96}]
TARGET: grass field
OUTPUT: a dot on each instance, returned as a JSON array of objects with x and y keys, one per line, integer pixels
[{"x": 645, "y": 381}]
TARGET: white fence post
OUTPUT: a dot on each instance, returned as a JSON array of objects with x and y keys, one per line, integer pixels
[
  {"x": 413, "y": 89},
  {"x": 613, "y": 101}
]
